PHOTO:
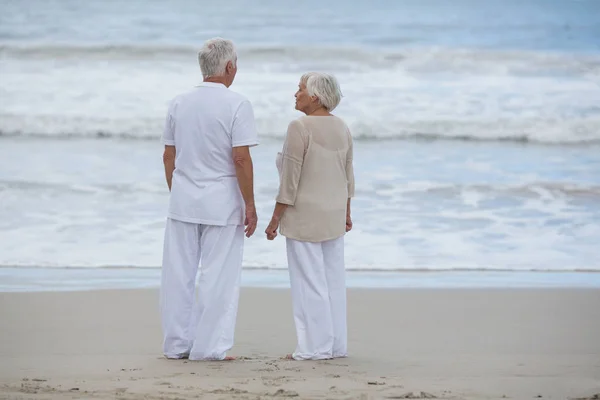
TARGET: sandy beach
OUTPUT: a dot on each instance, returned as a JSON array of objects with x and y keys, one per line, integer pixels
[{"x": 447, "y": 344}]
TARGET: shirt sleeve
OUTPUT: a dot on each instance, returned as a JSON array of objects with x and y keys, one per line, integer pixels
[
  {"x": 292, "y": 158},
  {"x": 243, "y": 132},
  {"x": 168, "y": 136},
  {"x": 350, "y": 168}
]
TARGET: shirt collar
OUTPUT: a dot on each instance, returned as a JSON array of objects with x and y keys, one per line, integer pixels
[{"x": 211, "y": 84}]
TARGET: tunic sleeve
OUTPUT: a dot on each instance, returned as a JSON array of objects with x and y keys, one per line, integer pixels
[
  {"x": 292, "y": 158},
  {"x": 350, "y": 168}
]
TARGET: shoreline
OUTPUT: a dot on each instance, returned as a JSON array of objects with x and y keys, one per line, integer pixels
[
  {"x": 43, "y": 279},
  {"x": 348, "y": 269}
]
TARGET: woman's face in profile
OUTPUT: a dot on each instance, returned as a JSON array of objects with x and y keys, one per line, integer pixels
[{"x": 303, "y": 100}]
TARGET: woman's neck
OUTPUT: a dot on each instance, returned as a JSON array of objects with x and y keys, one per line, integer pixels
[{"x": 319, "y": 112}]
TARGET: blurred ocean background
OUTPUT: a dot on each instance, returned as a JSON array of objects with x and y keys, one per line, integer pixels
[{"x": 476, "y": 126}]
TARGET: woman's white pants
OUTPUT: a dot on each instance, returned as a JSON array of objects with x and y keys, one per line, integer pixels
[
  {"x": 201, "y": 327},
  {"x": 318, "y": 283}
]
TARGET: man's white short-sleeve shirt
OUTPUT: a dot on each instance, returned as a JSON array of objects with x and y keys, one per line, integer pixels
[{"x": 204, "y": 125}]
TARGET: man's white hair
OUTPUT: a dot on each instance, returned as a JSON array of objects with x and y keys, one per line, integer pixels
[
  {"x": 325, "y": 87},
  {"x": 214, "y": 56}
]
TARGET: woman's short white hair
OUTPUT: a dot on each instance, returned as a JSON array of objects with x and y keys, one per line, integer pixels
[
  {"x": 214, "y": 56},
  {"x": 325, "y": 87}
]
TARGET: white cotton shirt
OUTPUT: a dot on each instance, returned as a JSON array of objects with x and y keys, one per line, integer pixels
[{"x": 204, "y": 125}]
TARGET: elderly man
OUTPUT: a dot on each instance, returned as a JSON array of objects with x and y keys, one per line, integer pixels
[{"x": 207, "y": 136}]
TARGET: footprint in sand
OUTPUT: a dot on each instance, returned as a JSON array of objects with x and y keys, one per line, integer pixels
[
  {"x": 414, "y": 395},
  {"x": 228, "y": 391},
  {"x": 284, "y": 393}
]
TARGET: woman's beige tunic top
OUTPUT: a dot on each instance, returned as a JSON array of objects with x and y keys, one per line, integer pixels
[{"x": 316, "y": 178}]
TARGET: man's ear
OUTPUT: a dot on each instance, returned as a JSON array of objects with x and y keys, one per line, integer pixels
[{"x": 229, "y": 67}]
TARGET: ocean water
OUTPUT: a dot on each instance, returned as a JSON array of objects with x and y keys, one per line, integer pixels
[{"x": 476, "y": 126}]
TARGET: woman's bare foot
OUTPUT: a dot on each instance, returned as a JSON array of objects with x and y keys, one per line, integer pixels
[{"x": 230, "y": 358}]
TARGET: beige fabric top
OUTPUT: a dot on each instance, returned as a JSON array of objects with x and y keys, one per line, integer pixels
[{"x": 316, "y": 178}]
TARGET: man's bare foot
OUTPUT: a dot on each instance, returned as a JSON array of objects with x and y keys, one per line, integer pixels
[
  {"x": 288, "y": 357},
  {"x": 183, "y": 356}
]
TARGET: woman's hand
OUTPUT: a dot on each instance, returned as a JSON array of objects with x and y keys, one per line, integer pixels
[
  {"x": 271, "y": 230},
  {"x": 348, "y": 223}
]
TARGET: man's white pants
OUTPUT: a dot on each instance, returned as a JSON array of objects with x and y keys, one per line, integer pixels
[
  {"x": 318, "y": 282},
  {"x": 200, "y": 326}
]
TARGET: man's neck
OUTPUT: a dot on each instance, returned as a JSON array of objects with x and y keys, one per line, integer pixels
[{"x": 216, "y": 79}]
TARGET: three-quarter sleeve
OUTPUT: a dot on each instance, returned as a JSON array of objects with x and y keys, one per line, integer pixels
[
  {"x": 292, "y": 158},
  {"x": 350, "y": 168}
]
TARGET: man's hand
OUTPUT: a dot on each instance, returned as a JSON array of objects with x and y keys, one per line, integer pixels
[
  {"x": 251, "y": 220},
  {"x": 348, "y": 223},
  {"x": 271, "y": 230}
]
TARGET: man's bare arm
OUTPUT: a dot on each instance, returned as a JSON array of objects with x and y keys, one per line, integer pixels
[
  {"x": 169, "y": 162},
  {"x": 245, "y": 176}
]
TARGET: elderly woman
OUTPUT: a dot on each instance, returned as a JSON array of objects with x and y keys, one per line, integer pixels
[{"x": 313, "y": 213}]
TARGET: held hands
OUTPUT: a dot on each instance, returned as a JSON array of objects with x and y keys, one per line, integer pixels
[
  {"x": 271, "y": 230},
  {"x": 251, "y": 220}
]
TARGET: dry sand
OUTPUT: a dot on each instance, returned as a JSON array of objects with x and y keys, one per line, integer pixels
[{"x": 450, "y": 344}]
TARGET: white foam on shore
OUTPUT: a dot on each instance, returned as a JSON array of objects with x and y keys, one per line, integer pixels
[
  {"x": 429, "y": 93},
  {"x": 481, "y": 211}
]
